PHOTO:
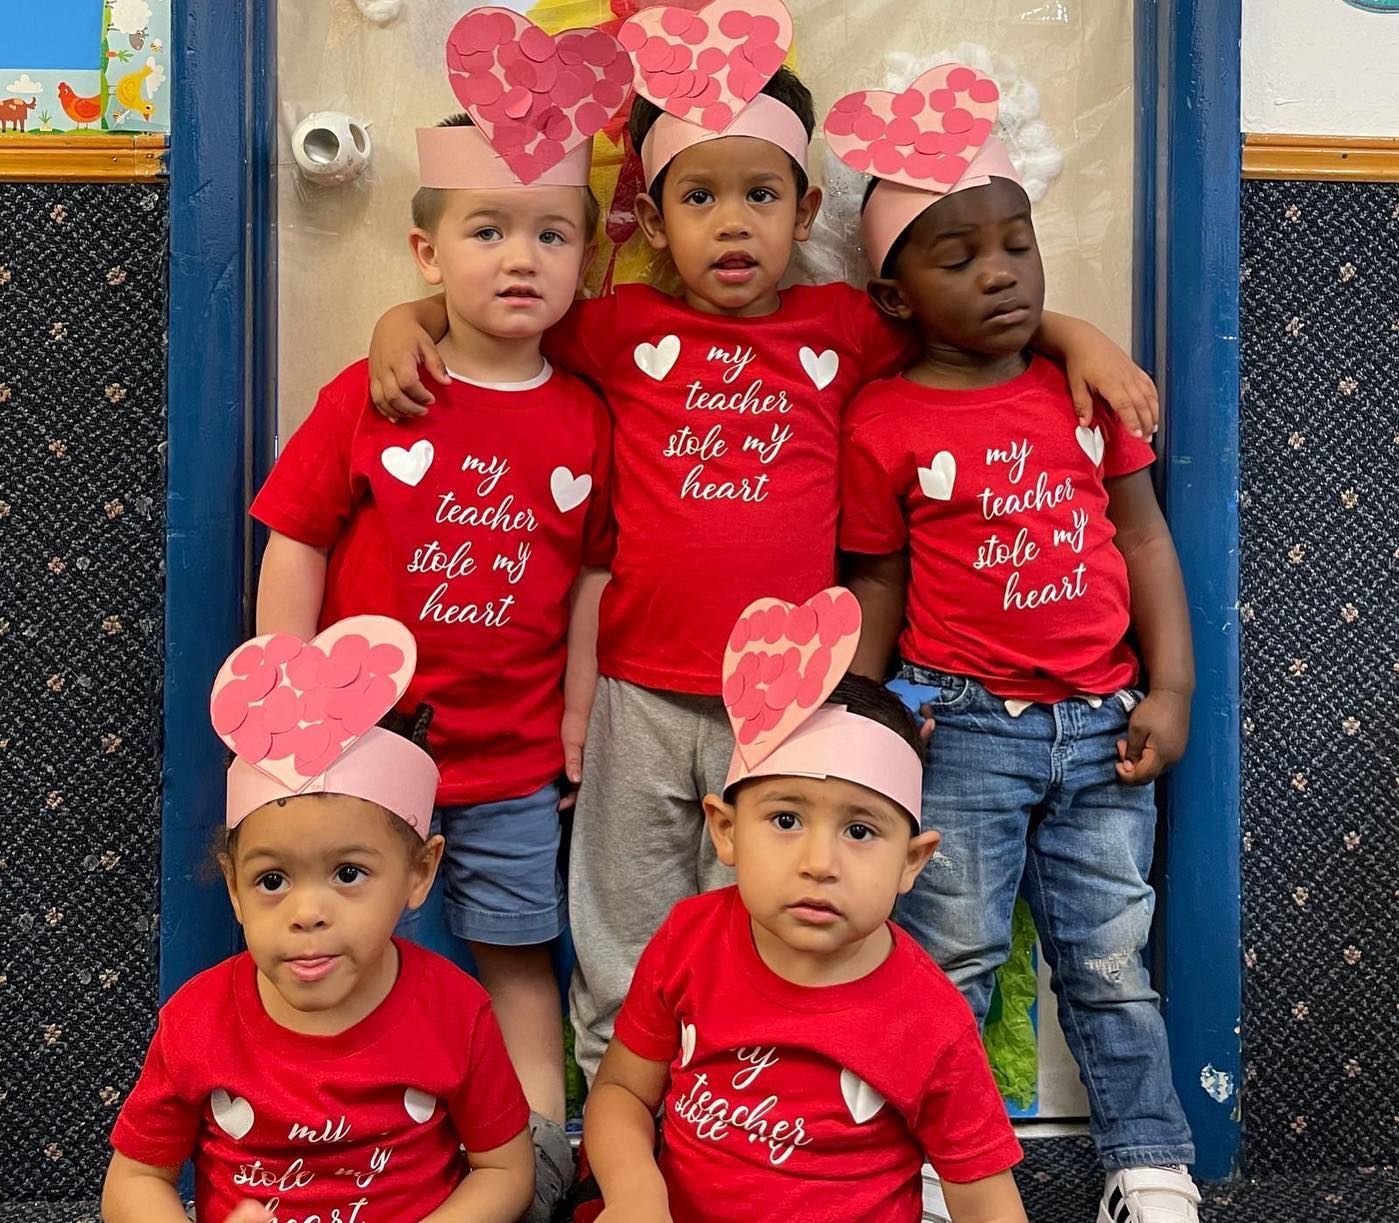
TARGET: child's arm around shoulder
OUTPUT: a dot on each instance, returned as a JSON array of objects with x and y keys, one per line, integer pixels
[
  {"x": 404, "y": 340},
  {"x": 619, "y": 1132},
  {"x": 1094, "y": 364}
]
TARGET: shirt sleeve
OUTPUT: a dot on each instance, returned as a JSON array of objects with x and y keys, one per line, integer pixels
[
  {"x": 962, "y": 1124},
  {"x": 1122, "y": 453},
  {"x": 648, "y": 1024},
  {"x": 885, "y": 345},
  {"x": 576, "y": 340},
  {"x": 490, "y": 1108},
  {"x": 600, "y": 530},
  {"x": 871, "y": 507},
  {"x": 309, "y": 494},
  {"x": 157, "y": 1125}
]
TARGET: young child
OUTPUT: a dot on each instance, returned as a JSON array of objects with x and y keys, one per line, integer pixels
[
  {"x": 726, "y": 404},
  {"x": 330, "y": 1071},
  {"x": 472, "y": 526},
  {"x": 808, "y": 1053},
  {"x": 1035, "y": 546}
]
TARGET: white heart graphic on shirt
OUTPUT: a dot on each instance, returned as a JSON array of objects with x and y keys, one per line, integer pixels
[
  {"x": 821, "y": 370},
  {"x": 1092, "y": 442},
  {"x": 419, "y": 1104},
  {"x": 657, "y": 360},
  {"x": 937, "y": 478},
  {"x": 569, "y": 491},
  {"x": 860, "y": 1098},
  {"x": 687, "y": 1043},
  {"x": 233, "y": 1113},
  {"x": 411, "y": 465}
]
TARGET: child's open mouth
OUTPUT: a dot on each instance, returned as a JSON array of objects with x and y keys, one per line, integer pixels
[
  {"x": 735, "y": 268},
  {"x": 520, "y": 295},
  {"x": 814, "y": 912}
]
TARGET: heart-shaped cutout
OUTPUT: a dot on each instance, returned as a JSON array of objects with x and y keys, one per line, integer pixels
[
  {"x": 419, "y": 1105},
  {"x": 860, "y": 1098},
  {"x": 1091, "y": 442},
  {"x": 924, "y": 137},
  {"x": 936, "y": 480},
  {"x": 233, "y": 1114},
  {"x": 535, "y": 96},
  {"x": 781, "y": 662},
  {"x": 687, "y": 1043},
  {"x": 658, "y": 359},
  {"x": 291, "y": 708},
  {"x": 410, "y": 465},
  {"x": 569, "y": 491},
  {"x": 821, "y": 370},
  {"x": 707, "y": 65}
]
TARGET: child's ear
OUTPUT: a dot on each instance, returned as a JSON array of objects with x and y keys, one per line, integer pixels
[
  {"x": 651, "y": 222},
  {"x": 230, "y": 882},
  {"x": 425, "y": 870},
  {"x": 719, "y": 816},
  {"x": 807, "y": 208},
  {"x": 424, "y": 248},
  {"x": 920, "y": 849},
  {"x": 889, "y": 296}
]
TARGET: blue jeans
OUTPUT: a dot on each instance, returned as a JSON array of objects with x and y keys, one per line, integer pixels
[{"x": 1036, "y": 798}]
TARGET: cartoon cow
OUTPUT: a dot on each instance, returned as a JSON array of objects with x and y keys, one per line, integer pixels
[{"x": 15, "y": 112}]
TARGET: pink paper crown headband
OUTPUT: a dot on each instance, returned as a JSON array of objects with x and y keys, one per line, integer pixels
[
  {"x": 300, "y": 717},
  {"x": 781, "y": 663},
  {"x": 536, "y": 100},
  {"x": 706, "y": 70},
  {"x": 922, "y": 145}
]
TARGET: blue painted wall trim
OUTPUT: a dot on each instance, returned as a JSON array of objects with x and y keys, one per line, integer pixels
[
  {"x": 1197, "y": 301},
  {"x": 218, "y": 173}
]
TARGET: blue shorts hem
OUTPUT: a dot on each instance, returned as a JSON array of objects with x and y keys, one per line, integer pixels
[{"x": 527, "y": 929}]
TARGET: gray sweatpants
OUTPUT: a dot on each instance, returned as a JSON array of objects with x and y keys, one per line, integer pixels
[{"x": 639, "y": 841}]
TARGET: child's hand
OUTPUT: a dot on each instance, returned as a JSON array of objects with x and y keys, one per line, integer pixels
[
  {"x": 574, "y": 733},
  {"x": 1156, "y": 735},
  {"x": 915, "y": 698},
  {"x": 398, "y": 349},
  {"x": 1095, "y": 365},
  {"x": 248, "y": 1211}
]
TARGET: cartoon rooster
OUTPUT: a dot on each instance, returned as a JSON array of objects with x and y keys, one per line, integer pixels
[{"x": 80, "y": 109}]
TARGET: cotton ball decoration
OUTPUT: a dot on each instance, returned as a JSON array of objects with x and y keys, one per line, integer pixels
[{"x": 380, "y": 12}]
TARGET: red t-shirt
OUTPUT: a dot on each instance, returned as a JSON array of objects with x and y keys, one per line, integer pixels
[
  {"x": 369, "y": 1122},
  {"x": 727, "y": 435},
  {"x": 800, "y": 1103},
  {"x": 1000, "y": 497},
  {"x": 468, "y": 524}
]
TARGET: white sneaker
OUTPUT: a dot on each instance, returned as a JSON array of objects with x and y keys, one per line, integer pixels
[{"x": 1149, "y": 1195}]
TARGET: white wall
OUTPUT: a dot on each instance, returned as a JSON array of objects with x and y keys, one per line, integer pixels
[{"x": 1319, "y": 67}]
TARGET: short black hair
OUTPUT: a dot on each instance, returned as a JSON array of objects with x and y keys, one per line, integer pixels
[
  {"x": 870, "y": 699},
  {"x": 430, "y": 202},
  {"x": 785, "y": 85},
  {"x": 411, "y": 726}
]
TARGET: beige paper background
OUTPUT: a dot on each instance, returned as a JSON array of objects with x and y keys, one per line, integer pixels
[{"x": 343, "y": 255}]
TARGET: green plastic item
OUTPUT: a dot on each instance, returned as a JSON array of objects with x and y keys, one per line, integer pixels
[{"x": 1011, "y": 1042}]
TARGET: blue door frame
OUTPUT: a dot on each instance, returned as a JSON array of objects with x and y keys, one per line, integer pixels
[{"x": 222, "y": 338}]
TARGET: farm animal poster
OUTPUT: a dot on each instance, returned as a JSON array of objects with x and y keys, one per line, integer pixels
[{"x": 85, "y": 66}]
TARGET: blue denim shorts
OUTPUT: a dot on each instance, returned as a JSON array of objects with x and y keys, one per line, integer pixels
[{"x": 499, "y": 882}]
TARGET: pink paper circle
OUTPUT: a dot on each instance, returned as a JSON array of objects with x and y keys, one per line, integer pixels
[
  {"x": 747, "y": 731},
  {"x": 546, "y": 74},
  {"x": 980, "y": 130},
  {"x": 479, "y": 91},
  {"x": 281, "y": 710},
  {"x": 709, "y": 94},
  {"x": 517, "y": 103},
  {"x": 818, "y": 666},
  {"x": 847, "y": 612},
  {"x": 608, "y": 95},
  {"x": 869, "y": 127},
  {"x": 340, "y": 669},
  {"x": 711, "y": 59},
  {"x": 679, "y": 106},
  {"x": 768, "y": 718},
  {"x": 768, "y": 59},
  {"x": 661, "y": 85},
  {"x": 801, "y": 625},
  {"x": 857, "y": 159},
  {"x": 920, "y": 165},
  {"x": 262, "y": 680},
  {"x": 942, "y": 99},
  {"x": 681, "y": 58},
  {"x": 928, "y": 143},
  {"x": 549, "y": 152},
  {"x": 735, "y": 23},
  {"x": 902, "y": 131},
  {"x": 632, "y": 36},
  {"x": 601, "y": 51},
  {"x": 770, "y": 668},
  {"x": 505, "y": 26},
  {"x": 573, "y": 49},
  {"x": 957, "y": 120},
  {"x": 283, "y": 745},
  {"x": 851, "y": 103},
  {"x": 696, "y": 31},
  {"x": 281, "y": 648},
  {"x": 748, "y": 667},
  {"x": 810, "y": 690},
  {"x": 229, "y": 708},
  {"x": 522, "y": 73},
  {"x": 907, "y": 104},
  {"x": 252, "y": 741},
  {"x": 655, "y": 55},
  {"x": 950, "y": 169},
  {"x": 764, "y": 30},
  {"x": 383, "y": 659},
  {"x": 557, "y": 126},
  {"x": 526, "y": 166},
  {"x": 733, "y": 689},
  {"x": 248, "y": 659},
  {"x": 619, "y": 70},
  {"x": 748, "y": 704},
  {"x": 313, "y": 704},
  {"x": 961, "y": 78},
  {"x": 309, "y": 742},
  {"x": 717, "y": 117},
  {"x": 509, "y": 53},
  {"x": 983, "y": 91},
  {"x": 569, "y": 89},
  {"x": 675, "y": 21},
  {"x": 590, "y": 118},
  {"x": 886, "y": 157},
  {"x": 746, "y": 83},
  {"x": 536, "y": 44},
  {"x": 783, "y": 690},
  {"x": 738, "y": 635}
]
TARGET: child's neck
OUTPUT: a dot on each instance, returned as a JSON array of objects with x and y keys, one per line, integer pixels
[
  {"x": 488, "y": 358},
  {"x": 815, "y": 969},
  {"x": 769, "y": 303},
  {"x": 957, "y": 369},
  {"x": 350, "y": 1010}
]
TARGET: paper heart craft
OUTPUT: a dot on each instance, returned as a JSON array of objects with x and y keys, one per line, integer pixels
[
  {"x": 707, "y": 65},
  {"x": 536, "y": 99},
  {"x": 924, "y": 137},
  {"x": 781, "y": 663},
  {"x": 290, "y": 707}
]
